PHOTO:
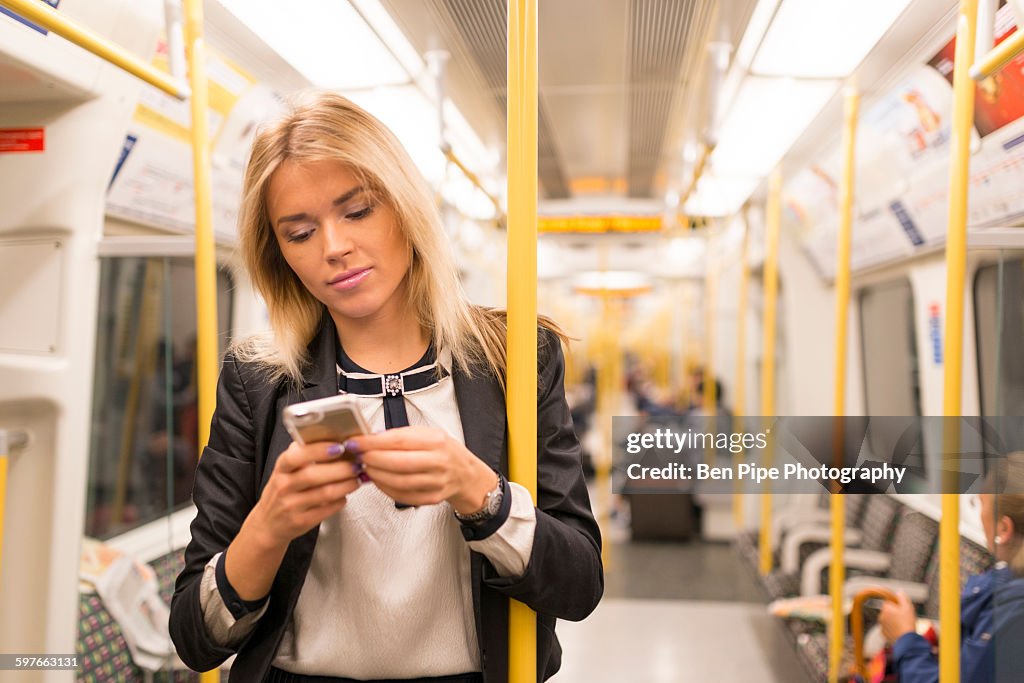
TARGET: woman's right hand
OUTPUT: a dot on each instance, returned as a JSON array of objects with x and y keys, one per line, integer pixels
[{"x": 309, "y": 484}]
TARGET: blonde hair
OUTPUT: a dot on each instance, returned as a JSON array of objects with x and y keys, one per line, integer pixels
[
  {"x": 1006, "y": 483},
  {"x": 324, "y": 126}
]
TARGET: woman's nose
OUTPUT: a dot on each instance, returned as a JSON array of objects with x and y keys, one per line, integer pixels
[{"x": 337, "y": 241}]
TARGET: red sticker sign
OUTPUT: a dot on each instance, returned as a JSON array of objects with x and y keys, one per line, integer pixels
[{"x": 22, "y": 140}]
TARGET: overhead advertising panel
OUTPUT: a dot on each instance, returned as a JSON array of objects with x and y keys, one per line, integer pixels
[
  {"x": 152, "y": 183},
  {"x": 903, "y": 165}
]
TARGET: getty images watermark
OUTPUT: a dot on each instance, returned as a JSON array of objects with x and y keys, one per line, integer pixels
[{"x": 722, "y": 454}]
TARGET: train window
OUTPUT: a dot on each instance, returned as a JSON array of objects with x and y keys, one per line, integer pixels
[
  {"x": 143, "y": 449},
  {"x": 889, "y": 347},
  {"x": 999, "y": 324}
]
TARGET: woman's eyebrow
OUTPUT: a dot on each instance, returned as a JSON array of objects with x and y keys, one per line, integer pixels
[
  {"x": 348, "y": 195},
  {"x": 337, "y": 202}
]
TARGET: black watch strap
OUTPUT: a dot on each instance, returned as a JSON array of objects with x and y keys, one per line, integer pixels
[{"x": 480, "y": 530}]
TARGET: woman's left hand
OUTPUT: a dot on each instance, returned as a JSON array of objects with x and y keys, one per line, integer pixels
[
  {"x": 897, "y": 618},
  {"x": 424, "y": 466}
]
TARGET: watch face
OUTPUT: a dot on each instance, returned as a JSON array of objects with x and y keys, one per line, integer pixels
[
  {"x": 493, "y": 502},
  {"x": 491, "y": 506}
]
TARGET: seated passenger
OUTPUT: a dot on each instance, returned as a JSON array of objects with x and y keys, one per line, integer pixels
[{"x": 992, "y": 606}]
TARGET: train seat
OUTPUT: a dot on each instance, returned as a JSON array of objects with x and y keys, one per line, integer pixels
[{"x": 875, "y": 532}]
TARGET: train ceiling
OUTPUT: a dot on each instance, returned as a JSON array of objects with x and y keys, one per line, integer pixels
[{"x": 621, "y": 82}]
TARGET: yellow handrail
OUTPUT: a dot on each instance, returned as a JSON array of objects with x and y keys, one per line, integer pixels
[
  {"x": 205, "y": 259},
  {"x": 837, "y": 568},
  {"x": 698, "y": 171},
  {"x": 998, "y": 57},
  {"x": 710, "y": 399},
  {"x": 522, "y": 296},
  {"x": 473, "y": 178},
  {"x": 9, "y": 440},
  {"x": 771, "y": 295},
  {"x": 4, "y": 447},
  {"x": 740, "y": 392},
  {"x": 956, "y": 266},
  {"x": 42, "y": 14}
]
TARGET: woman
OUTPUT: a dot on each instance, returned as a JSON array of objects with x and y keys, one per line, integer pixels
[
  {"x": 395, "y": 564},
  {"x": 992, "y": 606}
]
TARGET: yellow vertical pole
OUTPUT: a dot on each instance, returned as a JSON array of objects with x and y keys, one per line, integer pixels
[
  {"x": 837, "y": 569},
  {"x": 3, "y": 489},
  {"x": 205, "y": 259},
  {"x": 607, "y": 385},
  {"x": 771, "y": 295},
  {"x": 956, "y": 266},
  {"x": 740, "y": 392},
  {"x": 710, "y": 400},
  {"x": 522, "y": 296}
]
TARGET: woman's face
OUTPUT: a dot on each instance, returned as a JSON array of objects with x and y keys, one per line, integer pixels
[{"x": 342, "y": 242}]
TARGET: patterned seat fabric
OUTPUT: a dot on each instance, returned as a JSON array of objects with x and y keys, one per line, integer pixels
[
  {"x": 813, "y": 653},
  {"x": 101, "y": 646},
  {"x": 881, "y": 515},
  {"x": 913, "y": 547}
]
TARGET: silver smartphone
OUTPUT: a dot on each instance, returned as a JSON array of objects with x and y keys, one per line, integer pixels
[{"x": 335, "y": 418}]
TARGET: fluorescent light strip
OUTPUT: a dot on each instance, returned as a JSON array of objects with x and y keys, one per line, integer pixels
[
  {"x": 717, "y": 196},
  {"x": 823, "y": 38},
  {"x": 385, "y": 27},
  {"x": 612, "y": 279},
  {"x": 768, "y": 116},
  {"x": 325, "y": 40}
]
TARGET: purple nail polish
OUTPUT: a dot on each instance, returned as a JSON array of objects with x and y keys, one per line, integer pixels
[
  {"x": 335, "y": 449},
  {"x": 352, "y": 447}
]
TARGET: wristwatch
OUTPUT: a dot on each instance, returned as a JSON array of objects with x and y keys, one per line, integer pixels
[{"x": 492, "y": 503}]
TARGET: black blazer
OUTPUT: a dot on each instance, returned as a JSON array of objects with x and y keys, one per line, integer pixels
[{"x": 564, "y": 578}]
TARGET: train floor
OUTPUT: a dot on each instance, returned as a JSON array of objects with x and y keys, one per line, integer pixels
[{"x": 676, "y": 613}]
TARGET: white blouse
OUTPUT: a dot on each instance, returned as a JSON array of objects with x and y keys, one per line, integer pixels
[{"x": 388, "y": 593}]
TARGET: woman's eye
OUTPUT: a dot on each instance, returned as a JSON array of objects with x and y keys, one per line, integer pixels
[
  {"x": 300, "y": 236},
  {"x": 361, "y": 214}
]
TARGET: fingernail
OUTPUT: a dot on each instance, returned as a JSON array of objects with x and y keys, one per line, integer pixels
[
  {"x": 352, "y": 447},
  {"x": 364, "y": 477},
  {"x": 335, "y": 449},
  {"x": 358, "y": 466}
]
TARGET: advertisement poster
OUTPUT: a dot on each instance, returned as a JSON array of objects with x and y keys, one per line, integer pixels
[
  {"x": 903, "y": 156},
  {"x": 153, "y": 180}
]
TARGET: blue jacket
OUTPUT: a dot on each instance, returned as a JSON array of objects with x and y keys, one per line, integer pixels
[{"x": 991, "y": 630}]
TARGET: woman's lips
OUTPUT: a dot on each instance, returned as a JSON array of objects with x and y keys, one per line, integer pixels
[{"x": 352, "y": 280}]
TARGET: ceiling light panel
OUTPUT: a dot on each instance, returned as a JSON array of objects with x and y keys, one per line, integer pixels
[
  {"x": 325, "y": 40},
  {"x": 767, "y": 117},
  {"x": 718, "y": 196},
  {"x": 823, "y": 38}
]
